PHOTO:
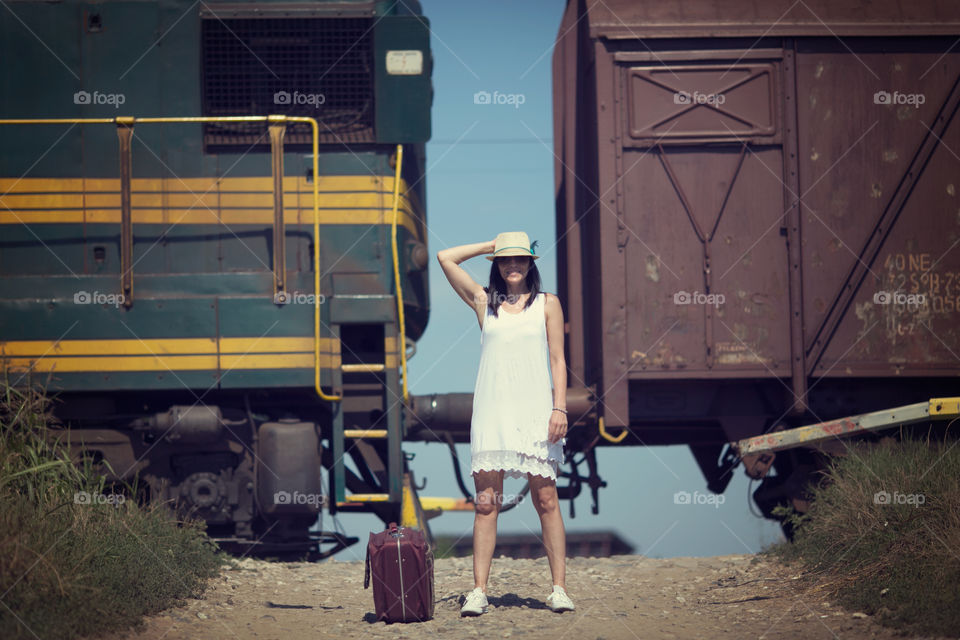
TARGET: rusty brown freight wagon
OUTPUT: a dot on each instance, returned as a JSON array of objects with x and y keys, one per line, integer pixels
[{"x": 758, "y": 213}]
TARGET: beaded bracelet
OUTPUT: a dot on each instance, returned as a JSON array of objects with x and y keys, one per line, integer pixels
[{"x": 559, "y": 409}]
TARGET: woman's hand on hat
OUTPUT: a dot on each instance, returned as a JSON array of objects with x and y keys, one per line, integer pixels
[{"x": 558, "y": 426}]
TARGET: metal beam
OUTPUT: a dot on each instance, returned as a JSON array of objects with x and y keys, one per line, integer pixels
[{"x": 934, "y": 409}]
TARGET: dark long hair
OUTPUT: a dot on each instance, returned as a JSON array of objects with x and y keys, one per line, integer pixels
[{"x": 497, "y": 291}]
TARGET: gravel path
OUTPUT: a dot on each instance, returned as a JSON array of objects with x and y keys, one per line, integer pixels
[{"x": 629, "y": 597}]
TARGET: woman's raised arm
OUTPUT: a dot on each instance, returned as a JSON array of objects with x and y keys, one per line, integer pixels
[{"x": 465, "y": 286}]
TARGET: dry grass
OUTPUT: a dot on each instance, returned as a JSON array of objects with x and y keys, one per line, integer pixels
[
  {"x": 899, "y": 560},
  {"x": 69, "y": 569}
]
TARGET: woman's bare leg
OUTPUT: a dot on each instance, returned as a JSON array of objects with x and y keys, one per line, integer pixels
[
  {"x": 486, "y": 508},
  {"x": 545, "y": 501}
]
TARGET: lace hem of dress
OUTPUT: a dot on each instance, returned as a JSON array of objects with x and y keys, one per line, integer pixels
[{"x": 514, "y": 464}]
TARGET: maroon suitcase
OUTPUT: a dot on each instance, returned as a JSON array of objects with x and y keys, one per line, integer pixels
[{"x": 401, "y": 563}]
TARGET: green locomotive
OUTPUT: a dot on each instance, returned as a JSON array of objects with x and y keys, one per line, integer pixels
[{"x": 212, "y": 247}]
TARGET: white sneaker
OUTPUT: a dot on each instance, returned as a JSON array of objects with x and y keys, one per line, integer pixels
[
  {"x": 559, "y": 600},
  {"x": 476, "y": 603}
]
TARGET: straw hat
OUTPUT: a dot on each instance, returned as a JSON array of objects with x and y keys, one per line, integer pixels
[{"x": 513, "y": 243}]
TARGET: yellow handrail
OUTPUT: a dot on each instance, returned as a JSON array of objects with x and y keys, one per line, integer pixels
[
  {"x": 396, "y": 271},
  {"x": 315, "y": 130}
]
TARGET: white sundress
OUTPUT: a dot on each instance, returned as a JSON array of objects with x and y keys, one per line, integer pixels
[{"x": 513, "y": 397}]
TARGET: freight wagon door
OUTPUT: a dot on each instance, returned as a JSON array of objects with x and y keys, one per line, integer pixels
[
  {"x": 879, "y": 140},
  {"x": 700, "y": 190}
]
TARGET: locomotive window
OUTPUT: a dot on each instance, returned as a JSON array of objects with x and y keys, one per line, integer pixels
[{"x": 316, "y": 67}]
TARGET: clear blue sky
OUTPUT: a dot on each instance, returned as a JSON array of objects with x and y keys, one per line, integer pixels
[{"x": 491, "y": 170}]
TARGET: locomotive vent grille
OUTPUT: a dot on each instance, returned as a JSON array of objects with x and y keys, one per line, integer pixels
[{"x": 316, "y": 67}]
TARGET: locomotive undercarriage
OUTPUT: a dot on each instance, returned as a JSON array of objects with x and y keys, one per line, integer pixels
[{"x": 250, "y": 469}]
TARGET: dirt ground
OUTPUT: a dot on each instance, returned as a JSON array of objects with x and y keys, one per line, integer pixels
[{"x": 629, "y": 597}]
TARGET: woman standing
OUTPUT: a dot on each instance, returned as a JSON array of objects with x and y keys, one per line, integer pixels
[{"x": 518, "y": 425}]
